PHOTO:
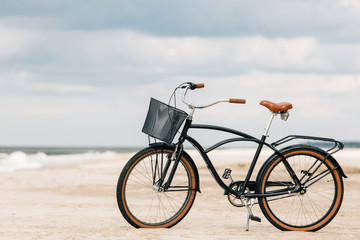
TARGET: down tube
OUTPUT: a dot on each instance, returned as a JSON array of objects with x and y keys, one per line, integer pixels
[{"x": 210, "y": 165}]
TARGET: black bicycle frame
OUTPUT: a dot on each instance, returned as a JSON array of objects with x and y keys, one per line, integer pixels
[
  {"x": 242, "y": 137},
  {"x": 245, "y": 137}
]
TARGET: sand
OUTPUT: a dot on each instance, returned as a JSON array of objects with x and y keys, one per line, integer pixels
[{"x": 78, "y": 202}]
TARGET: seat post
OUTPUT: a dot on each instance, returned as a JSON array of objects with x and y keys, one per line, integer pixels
[{"x": 269, "y": 124}]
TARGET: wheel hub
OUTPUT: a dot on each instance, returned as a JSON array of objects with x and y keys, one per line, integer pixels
[{"x": 155, "y": 187}]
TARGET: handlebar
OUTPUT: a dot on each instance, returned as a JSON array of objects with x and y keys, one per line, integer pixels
[
  {"x": 193, "y": 86},
  {"x": 237, "y": 100},
  {"x": 200, "y": 85}
]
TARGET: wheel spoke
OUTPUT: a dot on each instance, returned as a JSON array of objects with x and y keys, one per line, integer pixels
[
  {"x": 308, "y": 208},
  {"x": 144, "y": 199}
]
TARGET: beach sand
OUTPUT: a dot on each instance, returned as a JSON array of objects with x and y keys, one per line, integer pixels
[{"x": 78, "y": 202}]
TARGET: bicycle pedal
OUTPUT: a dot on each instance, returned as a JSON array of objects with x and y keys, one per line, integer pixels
[
  {"x": 255, "y": 218},
  {"x": 227, "y": 173}
]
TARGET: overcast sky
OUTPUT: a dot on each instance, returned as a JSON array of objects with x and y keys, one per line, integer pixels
[{"x": 82, "y": 72}]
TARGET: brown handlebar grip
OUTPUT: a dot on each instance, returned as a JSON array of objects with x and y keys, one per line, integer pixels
[
  {"x": 237, "y": 100},
  {"x": 200, "y": 85}
]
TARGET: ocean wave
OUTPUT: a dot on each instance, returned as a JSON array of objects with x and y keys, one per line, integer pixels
[{"x": 20, "y": 160}]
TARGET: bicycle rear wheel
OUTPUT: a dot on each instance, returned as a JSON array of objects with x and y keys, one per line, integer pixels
[
  {"x": 140, "y": 198},
  {"x": 315, "y": 206}
]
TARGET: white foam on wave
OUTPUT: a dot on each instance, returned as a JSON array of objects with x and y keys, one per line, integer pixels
[
  {"x": 20, "y": 160},
  {"x": 17, "y": 160}
]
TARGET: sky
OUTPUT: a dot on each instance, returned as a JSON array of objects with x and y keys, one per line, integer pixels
[{"x": 81, "y": 73}]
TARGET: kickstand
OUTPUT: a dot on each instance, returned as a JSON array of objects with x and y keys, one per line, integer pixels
[{"x": 250, "y": 215}]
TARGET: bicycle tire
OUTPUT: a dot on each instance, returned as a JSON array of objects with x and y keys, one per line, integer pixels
[
  {"x": 316, "y": 206},
  {"x": 140, "y": 201}
]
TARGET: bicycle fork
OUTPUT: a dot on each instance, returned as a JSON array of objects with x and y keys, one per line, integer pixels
[
  {"x": 161, "y": 184},
  {"x": 177, "y": 153}
]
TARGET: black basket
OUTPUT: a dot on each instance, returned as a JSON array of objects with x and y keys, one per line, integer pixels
[{"x": 163, "y": 121}]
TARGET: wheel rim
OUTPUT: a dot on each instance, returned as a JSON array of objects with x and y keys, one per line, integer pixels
[
  {"x": 310, "y": 208},
  {"x": 144, "y": 199}
]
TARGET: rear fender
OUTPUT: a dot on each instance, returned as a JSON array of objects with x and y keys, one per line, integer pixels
[{"x": 288, "y": 149}]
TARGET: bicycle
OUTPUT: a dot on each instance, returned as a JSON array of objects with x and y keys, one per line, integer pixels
[{"x": 298, "y": 188}]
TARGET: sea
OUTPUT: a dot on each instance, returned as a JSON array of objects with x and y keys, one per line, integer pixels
[{"x": 14, "y": 158}]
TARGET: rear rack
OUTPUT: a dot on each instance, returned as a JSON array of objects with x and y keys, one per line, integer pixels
[{"x": 337, "y": 145}]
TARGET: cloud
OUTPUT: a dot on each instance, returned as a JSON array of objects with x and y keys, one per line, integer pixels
[
  {"x": 147, "y": 49},
  {"x": 350, "y": 3},
  {"x": 66, "y": 74},
  {"x": 112, "y": 57},
  {"x": 115, "y": 114},
  {"x": 29, "y": 82},
  {"x": 130, "y": 51},
  {"x": 57, "y": 88},
  {"x": 14, "y": 41},
  {"x": 323, "y": 104},
  {"x": 326, "y": 20}
]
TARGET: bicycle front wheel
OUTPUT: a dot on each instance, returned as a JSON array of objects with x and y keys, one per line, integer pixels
[
  {"x": 312, "y": 208},
  {"x": 140, "y": 198}
]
